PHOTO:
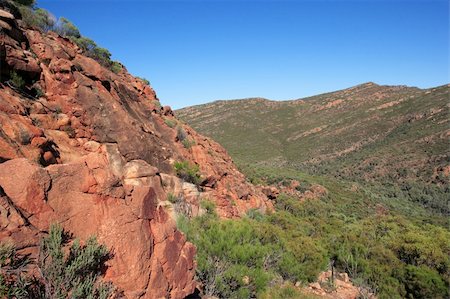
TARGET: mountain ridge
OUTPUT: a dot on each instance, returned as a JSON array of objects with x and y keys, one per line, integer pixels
[{"x": 358, "y": 86}]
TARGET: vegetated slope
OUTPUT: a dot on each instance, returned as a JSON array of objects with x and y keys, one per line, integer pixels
[
  {"x": 85, "y": 144},
  {"x": 365, "y": 171},
  {"x": 395, "y": 138}
]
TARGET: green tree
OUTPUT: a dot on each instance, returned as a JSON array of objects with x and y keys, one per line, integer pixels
[
  {"x": 67, "y": 29},
  {"x": 423, "y": 282}
]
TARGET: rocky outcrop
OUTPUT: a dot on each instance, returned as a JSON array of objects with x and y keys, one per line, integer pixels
[
  {"x": 92, "y": 150},
  {"x": 87, "y": 199}
]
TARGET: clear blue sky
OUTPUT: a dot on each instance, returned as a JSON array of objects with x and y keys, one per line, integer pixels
[{"x": 198, "y": 51}]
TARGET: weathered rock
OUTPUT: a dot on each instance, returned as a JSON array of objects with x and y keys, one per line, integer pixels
[
  {"x": 91, "y": 146},
  {"x": 138, "y": 169},
  {"x": 75, "y": 200}
]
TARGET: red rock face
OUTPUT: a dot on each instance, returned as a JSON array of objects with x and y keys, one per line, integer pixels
[{"x": 93, "y": 151}]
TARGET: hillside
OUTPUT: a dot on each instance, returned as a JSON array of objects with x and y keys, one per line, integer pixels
[{"x": 395, "y": 138}]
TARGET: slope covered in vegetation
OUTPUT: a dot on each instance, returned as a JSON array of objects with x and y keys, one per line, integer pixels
[
  {"x": 393, "y": 139},
  {"x": 381, "y": 152}
]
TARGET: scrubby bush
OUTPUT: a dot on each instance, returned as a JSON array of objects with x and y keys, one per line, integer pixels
[
  {"x": 65, "y": 272},
  {"x": 170, "y": 122},
  {"x": 101, "y": 55},
  {"x": 188, "y": 143},
  {"x": 13, "y": 282},
  {"x": 66, "y": 28},
  {"x": 16, "y": 80},
  {"x": 75, "y": 271},
  {"x": 181, "y": 134},
  {"x": 172, "y": 198},
  {"x": 188, "y": 172},
  {"x": 39, "y": 18},
  {"x": 423, "y": 282},
  {"x": 209, "y": 206},
  {"x": 287, "y": 291},
  {"x": 144, "y": 80},
  {"x": 255, "y": 214},
  {"x": 116, "y": 67}
]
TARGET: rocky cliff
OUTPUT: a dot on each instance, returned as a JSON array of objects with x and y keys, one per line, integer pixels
[{"x": 94, "y": 151}]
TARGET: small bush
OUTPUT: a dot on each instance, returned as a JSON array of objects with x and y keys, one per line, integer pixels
[
  {"x": 188, "y": 143},
  {"x": 188, "y": 172},
  {"x": 181, "y": 134},
  {"x": 101, "y": 55},
  {"x": 39, "y": 92},
  {"x": 66, "y": 28},
  {"x": 255, "y": 214},
  {"x": 170, "y": 122},
  {"x": 287, "y": 291},
  {"x": 144, "y": 80},
  {"x": 116, "y": 67},
  {"x": 13, "y": 282},
  {"x": 75, "y": 271},
  {"x": 172, "y": 198},
  {"x": 16, "y": 80},
  {"x": 209, "y": 206}
]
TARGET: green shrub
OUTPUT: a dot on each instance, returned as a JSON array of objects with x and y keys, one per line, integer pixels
[
  {"x": 188, "y": 143},
  {"x": 86, "y": 44},
  {"x": 75, "y": 271},
  {"x": 172, "y": 198},
  {"x": 144, "y": 80},
  {"x": 13, "y": 282},
  {"x": 39, "y": 18},
  {"x": 181, "y": 134},
  {"x": 183, "y": 223},
  {"x": 170, "y": 122},
  {"x": 209, "y": 206},
  {"x": 116, "y": 67},
  {"x": 101, "y": 55},
  {"x": 66, "y": 28},
  {"x": 255, "y": 214},
  {"x": 188, "y": 172},
  {"x": 423, "y": 282},
  {"x": 17, "y": 80},
  {"x": 287, "y": 291},
  {"x": 39, "y": 92}
]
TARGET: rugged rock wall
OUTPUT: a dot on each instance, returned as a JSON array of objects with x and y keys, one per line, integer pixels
[{"x": 92, "y": 150}]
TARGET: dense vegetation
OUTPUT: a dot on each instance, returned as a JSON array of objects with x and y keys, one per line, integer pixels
[
  {"x": 381, "y": 152},
  {"x": 66, "y": 271},
  {"x": 382, "y": 251}
]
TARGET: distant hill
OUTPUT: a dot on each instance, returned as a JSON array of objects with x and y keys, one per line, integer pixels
[{"x": 393, "y": 137}]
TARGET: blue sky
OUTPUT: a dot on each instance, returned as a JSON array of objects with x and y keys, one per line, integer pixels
[{"x": 194, "y": 52}]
